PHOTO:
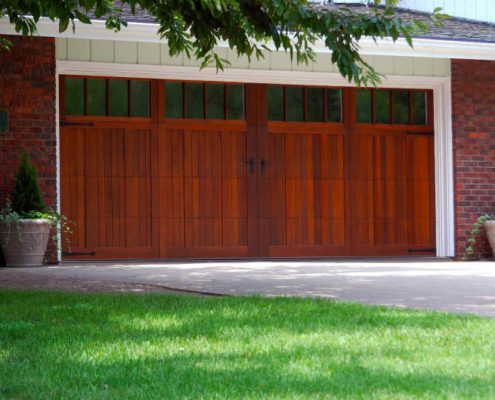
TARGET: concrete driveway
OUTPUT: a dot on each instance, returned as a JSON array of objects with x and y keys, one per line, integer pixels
[{"x": 429, "y": 284}]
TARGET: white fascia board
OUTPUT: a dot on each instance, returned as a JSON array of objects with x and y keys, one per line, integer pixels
[{"x": 145, "y": 32}]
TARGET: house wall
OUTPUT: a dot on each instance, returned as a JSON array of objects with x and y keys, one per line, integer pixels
[
  {"x": 473, "y": 110},
  {"x": 481, "y": 10},
  {"x": 27, "y": 93},
  {"x": 125, "y": 52}
]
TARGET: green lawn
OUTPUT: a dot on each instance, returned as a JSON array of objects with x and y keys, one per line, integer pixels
[{"x": 59, "y": 345}]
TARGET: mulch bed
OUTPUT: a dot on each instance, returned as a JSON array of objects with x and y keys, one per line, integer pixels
[{"x": 18, "y": 279}]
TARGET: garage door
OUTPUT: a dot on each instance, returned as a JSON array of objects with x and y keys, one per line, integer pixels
[{"x": 168, "y": 169}]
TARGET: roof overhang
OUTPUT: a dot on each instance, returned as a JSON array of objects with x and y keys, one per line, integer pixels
[{"x": 146, "y": 32}]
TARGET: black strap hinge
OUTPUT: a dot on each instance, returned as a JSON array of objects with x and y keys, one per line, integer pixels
[
  {"x": 420, "y": 133},
  {"x": 65, "y": 123},
  {"x": 75, "y": 253},
  {"x": 428, "y": 250}
]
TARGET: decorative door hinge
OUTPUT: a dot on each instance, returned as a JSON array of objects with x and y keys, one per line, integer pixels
[
  {"x": 65, "y": 123},
  {"x": 75, "y": 253}
]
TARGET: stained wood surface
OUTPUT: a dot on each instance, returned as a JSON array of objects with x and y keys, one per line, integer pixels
[
  {"x": 153, "y": 187},
  {"x": 106, "y": 190},
  {"x": 202, "y": 180}
]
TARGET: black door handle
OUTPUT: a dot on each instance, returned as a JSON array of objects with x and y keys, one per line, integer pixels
[
  {"x": 250, "y": 162},
  {"x": 263, "y": 164}
]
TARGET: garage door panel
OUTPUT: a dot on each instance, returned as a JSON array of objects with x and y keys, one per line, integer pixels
[
  {"x": 333, "y": 232},
  {"x": 305, "y": 186},
  {"x": 110, "y": 201},
  {"x": 391, "y": 231},
  {"x": 208, "y": 193},
  {"x": 420, "y": 160},
  {"x": 362, "y": 160}
]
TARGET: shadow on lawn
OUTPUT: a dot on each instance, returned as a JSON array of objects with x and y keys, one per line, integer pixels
[{"x": 149, "y": 328}]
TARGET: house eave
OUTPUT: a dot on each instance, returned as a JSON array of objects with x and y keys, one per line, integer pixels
[{"x": 146, "y": 32}]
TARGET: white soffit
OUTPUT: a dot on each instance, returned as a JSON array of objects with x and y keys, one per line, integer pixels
[{"x": 142, "y": 32}]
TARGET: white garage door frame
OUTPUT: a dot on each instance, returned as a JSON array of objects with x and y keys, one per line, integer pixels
[{"x": 441, "y": 87}]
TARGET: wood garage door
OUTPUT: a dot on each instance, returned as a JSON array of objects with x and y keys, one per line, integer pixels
[{"x": 153, "y": 169}]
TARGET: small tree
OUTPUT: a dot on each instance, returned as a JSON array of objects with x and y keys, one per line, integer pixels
[{"x": 26, "y": 196}]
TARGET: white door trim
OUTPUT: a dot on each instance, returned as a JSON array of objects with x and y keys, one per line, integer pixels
[{"x": 444, "y": 172}]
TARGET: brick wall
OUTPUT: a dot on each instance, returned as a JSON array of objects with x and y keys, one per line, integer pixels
[
  {"x": 27, "y": 92},
  {"x": 473, "y": 110}
]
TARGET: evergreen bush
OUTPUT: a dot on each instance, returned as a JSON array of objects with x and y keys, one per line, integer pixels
[{"x": 26, "y": 196}]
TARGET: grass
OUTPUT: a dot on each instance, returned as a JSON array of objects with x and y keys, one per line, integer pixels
[{"x": 61, "y": 345}]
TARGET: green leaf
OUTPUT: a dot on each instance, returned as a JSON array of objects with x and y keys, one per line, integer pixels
[
  {"x": 82, "y": 17},
  {"x": 63, "y": 24}
]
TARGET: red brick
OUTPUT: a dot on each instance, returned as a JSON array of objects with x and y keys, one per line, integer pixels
[
  {"x": 27, "y": 92},
  {"x": 473, "y": 117}
]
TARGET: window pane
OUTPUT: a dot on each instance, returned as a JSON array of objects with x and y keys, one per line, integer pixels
[
  {"x": 97, "y": 97},
  {"x": 419, "y": 108},
  {"x": 401, "y": 107},
  {"x": 119, "y": 98},
  {"x": 363, "y": 106},
  {"x": 4, "y": 121},
  {"x": 334, "y": 108},
  {"x": 74, "y": 96},
  {"x": 315, "y": 104},
  {"x": 275, "y": 103},
  {"x": 235, "y": 101},
  {"x": 382, "y": 106},
  {"x": 215, "y": 101},
  {"x": 140, "y": 98},
  {"x": 194, "y": 100},
  {"x": 295, "y": 103},
  {"x": 174, "y": 100}
]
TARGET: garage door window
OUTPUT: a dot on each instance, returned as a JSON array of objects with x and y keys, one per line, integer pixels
[
  {"x": 304, "y": 104},
  {"x": 204, "y": 100},
  {"x": 107, "y": 97},
  {"x": 398, "y": 107}
]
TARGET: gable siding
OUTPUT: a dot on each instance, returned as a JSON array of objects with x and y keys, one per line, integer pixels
[
  {"x": 122, "y": 52},
  {"x": 481, "y": 10}
]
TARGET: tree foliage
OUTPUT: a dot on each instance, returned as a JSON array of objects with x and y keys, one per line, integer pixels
[{"x": 250, "y": 27}]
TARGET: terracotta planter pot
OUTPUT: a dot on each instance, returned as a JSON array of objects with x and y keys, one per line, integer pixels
[
  {"x": 490, "y": 233},
  {"x": 24, "y": 242}
]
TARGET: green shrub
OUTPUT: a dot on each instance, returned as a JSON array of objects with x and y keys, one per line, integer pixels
[{"x": 26, "y": 196}]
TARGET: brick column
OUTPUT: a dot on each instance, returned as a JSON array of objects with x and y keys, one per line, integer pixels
[
  {"x": 473, "y": 114},
  {"x": 27, "y": 93}
]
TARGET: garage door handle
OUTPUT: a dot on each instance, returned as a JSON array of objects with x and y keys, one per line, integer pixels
[
  {"x": 263, "y": 164},
  {"x": 250, "y": 162}
]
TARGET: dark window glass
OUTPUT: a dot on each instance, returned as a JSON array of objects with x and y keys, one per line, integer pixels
[
  {"x": 235, "y": 101},
  {"x": 97, "y": 96},
  {"x": 382, "y": 106},
  {"x": 119, "y": 98},
  {"x": 401, "y": 107},
  {"x": 74, "y": 96},
  {"x": 174, "y": 98},
  {"x": 215, "y": 101},
  {"x": 363, "y": 106},
  {"x": 140, "y": 99},
  {"x": 315, "y": 104},
  {"x": 419, "y": 108},
  {"x": 275, "y": 103},
  {"x": 334, "y": 105},
  {"x": 4, "y": 121},
  {"x": 295, "y": 103},
  {"x": 194, "y": 100}
]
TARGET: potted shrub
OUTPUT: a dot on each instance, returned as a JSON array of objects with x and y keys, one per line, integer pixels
[
  {"x": 487, "y": 221},
  {"x": 25, "y": 224}
]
